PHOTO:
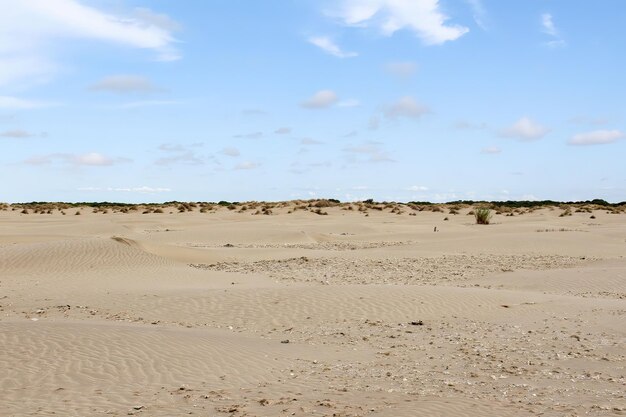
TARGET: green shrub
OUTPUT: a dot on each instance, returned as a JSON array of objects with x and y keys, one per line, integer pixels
[{"x": 482, "y": 215}]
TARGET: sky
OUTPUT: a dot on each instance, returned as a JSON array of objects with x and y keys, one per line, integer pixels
[{"x": 396, "y": 100}]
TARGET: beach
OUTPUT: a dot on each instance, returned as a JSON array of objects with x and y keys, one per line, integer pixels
[{"x": 312, "y": 309}]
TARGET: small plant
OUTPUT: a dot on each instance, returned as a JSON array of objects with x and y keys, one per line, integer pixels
[{"x": 482, "y": 215}]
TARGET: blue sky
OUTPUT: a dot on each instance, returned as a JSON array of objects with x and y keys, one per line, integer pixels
[{"x": 399, "y": 100}]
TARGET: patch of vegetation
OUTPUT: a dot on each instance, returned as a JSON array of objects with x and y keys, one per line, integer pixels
[{"x": 482, "y": 215}]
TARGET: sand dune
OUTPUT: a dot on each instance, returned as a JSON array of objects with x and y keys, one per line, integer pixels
[{"x": 224, "y": 313}]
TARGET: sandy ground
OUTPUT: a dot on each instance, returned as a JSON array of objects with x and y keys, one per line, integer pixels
[{"x": 298, "y": 314}]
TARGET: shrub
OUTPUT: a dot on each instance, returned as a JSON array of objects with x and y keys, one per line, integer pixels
[{"x": 482, "y": 215}]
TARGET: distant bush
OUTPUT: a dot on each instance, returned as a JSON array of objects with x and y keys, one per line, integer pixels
[{"x": 482, "y": 215}]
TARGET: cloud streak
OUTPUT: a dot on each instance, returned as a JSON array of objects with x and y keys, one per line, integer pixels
[
  {"x": 93, "y": 159},
  {"x": 406, "y": 107},
  {"x": 524, "y": 130},
  {"x": 124, "y": 84},
  {"x": 16, "y": 103},
  {"x": 327, "y": 45},
  {"x": 548, "y": 27},
  {"x": 21, "y": 134},
  {"x": 423, "y": 17},
  {"x": 28, "y": 29},
  {"x": 320, "y": 100},
  {"x": 596, "y": 137}
]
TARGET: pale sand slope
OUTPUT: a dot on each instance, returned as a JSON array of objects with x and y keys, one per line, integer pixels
[{"x": 166, "y": 320}]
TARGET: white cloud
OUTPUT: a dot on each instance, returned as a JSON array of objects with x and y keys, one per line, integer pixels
[
  {"x": 88, "y": 159},
  {"x": 20, "y": 134},
  {"x": 160, "y": 20},
  {"x": 406, "y": 107},
  {"x": 597, "y": 137},
  {"x": 548, "y": 27},
  {"x": 320, "y": 100},
  {"x": 491, "y": 150},
  {"x": 92, "y": 159},
  {"x": 479, "y": 13},
  {"x": 122, "y": 84},
  {"x": 310, "y": 141},
  {"x": 373, "y": 152},
  {"x": 186, "y": 157},
  {"x": 283, "y": 131},
  {"x": 417, "y": 188},
  {"x": 30, "y": 30},
  {"x": 233, "y": 152},
  {"x": 525, "y": 130},
  {"x": 171, "y": 147},
  {"x": 247, "y": 165},
  {"x": 253, "y": 135},
  {"x": 329, "y": 46},
  {"x": 423, "y": 17},
  {"x": 16, "y": 103},
  {"x": 401, "y": 69}
]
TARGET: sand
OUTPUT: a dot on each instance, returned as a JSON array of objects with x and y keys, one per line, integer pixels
[{"x": 297, "y": 314}]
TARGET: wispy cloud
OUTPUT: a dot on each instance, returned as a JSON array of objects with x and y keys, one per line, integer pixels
[
  {"x": 252, "y": 135},
  {"x": 94, "y": 159},
  {"x": 29, "y": 29},
  {"x": 548, "y": 27},
  {"x": 16, "y": 103},
  {"x": 320, "y": 100},
  {"x": 230, "y": 151},
  {"x": 406, "y": 107},
  {"x": 179, "y": 154},
  {"x": 124, "y": 84},
  {"x": 423, "y": 17},
  {"x": 479, "y": 13},
  {"x": 327, "y": 45},
  {"x": 350, "y": 102},
  {"x": 247, "y": 165},
  {"x": 187, "y": 158},
  {"x": 491, "y": 150},
  {"x": 371, "y": 151},
  {"x": 524, "y": 130},
  {"x": 310, "y": 141},
  {"x": 21, "y": 134},
  {"x": 402, "y": 70},
  {"x": 283, "y": 131},
  {"x": 417, "y": 188},
  {"x": 596, "y": 137}
]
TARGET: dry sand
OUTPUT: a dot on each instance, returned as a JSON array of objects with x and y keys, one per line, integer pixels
[{"x": 225, "y": 313}]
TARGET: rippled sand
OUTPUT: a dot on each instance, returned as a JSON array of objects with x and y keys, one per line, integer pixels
[{"x": 226, "y": 313}]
